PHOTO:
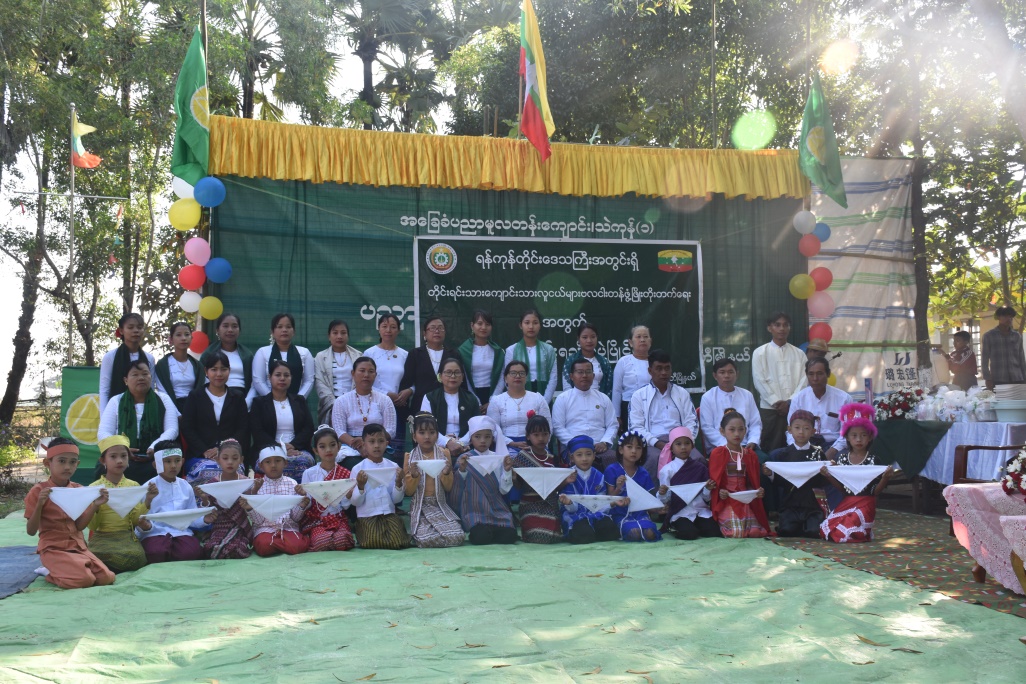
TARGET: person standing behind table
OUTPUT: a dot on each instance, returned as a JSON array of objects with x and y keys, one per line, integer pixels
[
  {"x": 1004, "y": 367},
  {"x": 333, "y": 369},
  {"x": 778, "y": 372},
  {"x": 114, "y": 365},
  {"x": 824, "y": 402},
  {"x": 587, "y": 341},
  {"x": 584, "y": 410},
  {"x": 659, "y": 407},
  {"x": 424, "y": 364},
  {"x": 482, "y": 358},
  {"x": 537, "y": 355},
  {"x": 389, "y": 366},
  {"x": 631, "y": 373},
  {"x": 177, "y": 374},
  {"x": 240, "y": 359},
  {"x": 298, "y": 359},
  {"x": 962, "y": 361}
]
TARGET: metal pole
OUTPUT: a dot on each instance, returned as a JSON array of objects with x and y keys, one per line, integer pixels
[{"x": 71, "y": 241}]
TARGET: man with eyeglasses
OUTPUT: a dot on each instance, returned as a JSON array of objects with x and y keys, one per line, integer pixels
[{"x": 584, "y": 410}]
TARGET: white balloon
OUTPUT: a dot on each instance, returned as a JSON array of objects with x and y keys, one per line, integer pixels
[
  {"x": 805, "y": 222},
  {"x": 181, "y": 189},
  {"x": 190, "y": 301}
]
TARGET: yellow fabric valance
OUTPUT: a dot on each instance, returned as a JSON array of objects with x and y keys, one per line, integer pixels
[{"x": 260, "y": 149}]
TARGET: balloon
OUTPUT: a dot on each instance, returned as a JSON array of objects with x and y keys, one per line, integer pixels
[
  {"x": 802, "y": 286},
  {"x": 822, "y": 331},
  {"x": 822, "y": 277},
  {"x": 809, "y": 246},
  {"x": 210, "y": 308},
  {"x": 197, "y": 250},
  {"x": 192, "y": 277},
  {"x": 200, "y": 342},
  {"x": 822, "y": 231},
  {"x": 184, "y": 214},
  {"x": 209, "y": 192},
  {"x": 804, "y": 222},
  {"x": 832, "y": 380},
  {"x": 804, "y": 346},
  {"x": 219, "y": 270},
  {"x": 190, "y": 301},
  {"x": 181, "y": 189},
  {"x": 821, "y": 305}
]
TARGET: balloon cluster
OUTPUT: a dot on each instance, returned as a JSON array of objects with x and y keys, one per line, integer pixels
[
  {"x": 185, "y": 215},
  {"x": 812, "y": 286}
]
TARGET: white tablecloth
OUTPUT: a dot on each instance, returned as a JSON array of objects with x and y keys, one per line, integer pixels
[
  {"x": 983, "y": 465},
  {"x": 990, "y": 525}
]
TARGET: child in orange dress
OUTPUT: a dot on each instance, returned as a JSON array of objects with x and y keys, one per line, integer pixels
[{"x": 62, "y": 548}]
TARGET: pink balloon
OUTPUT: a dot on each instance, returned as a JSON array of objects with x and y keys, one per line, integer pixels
[
  {"x": 809, "y": 245},
  {"x": 821, "y": 305},
  {"x": 197, "y": 251},
  {"x": 822, "y": 277}
]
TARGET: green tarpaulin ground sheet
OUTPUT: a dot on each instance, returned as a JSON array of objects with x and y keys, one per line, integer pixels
[{"x": 710, "y": 610}]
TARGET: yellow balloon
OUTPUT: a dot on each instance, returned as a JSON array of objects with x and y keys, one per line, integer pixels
[
  {"x": 184, "y": 214},
  {"x": 802, "y": 286},
  {"x": 832, "y": 380},
  {"x": 210, "y": 308}
]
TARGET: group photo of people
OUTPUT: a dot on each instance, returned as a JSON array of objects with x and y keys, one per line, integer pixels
[{"x": 438, "y": 446}]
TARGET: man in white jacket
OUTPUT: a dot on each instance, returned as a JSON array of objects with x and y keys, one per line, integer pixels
[
  {"x": 584, "y": 410},
  {"x": 659, "y": 407}
]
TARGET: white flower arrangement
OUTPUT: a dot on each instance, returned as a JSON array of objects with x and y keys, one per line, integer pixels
[{"x": 1013, "y": 481}]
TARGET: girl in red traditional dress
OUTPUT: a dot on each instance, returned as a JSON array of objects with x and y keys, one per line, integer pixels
[
  {"x": 735, "y": 468},
  {"x": 328, "y": 528},
  {"x": 853, "y": 518}
]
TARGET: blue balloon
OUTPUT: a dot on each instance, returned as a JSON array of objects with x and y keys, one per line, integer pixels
[
  {"x": 822, "y": 230},
  {"x": 218, "y": 270},
  {"x": 804, "y": 346},
  {"x": 209, "y": 192}
]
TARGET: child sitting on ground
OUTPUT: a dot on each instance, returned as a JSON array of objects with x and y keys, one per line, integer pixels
[
  {"x": 581, "y": 525},
  {"x": 480, "y": 499},
  {"x": 687, "y": 521},
  {"x": 62, "y": 549},
  {"x": 328, "y": 528},
  {"x": 231, "y": 532},
  {"x": 631, "y": 450},
  {"x": 271, "y": 537},
  {"x": 162, "y": 542},
  {"x": 800, "y": 511},
  {"x": 853, "y": 518},
  {"x": 433, "y": 524},
  {"x": 735, "y": 468},
  {"x": 377, "y": 525},
  {"x": 539, "y": 518},
  {"x": 111, "y": 537}
]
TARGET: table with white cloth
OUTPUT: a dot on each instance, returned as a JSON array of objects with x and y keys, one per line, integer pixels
[
  {"x": 983, "y": 465},
  {"x": 991, "y": 525}
]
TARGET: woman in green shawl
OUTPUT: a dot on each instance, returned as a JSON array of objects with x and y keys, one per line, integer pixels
[{"x": 482, "y": 358}]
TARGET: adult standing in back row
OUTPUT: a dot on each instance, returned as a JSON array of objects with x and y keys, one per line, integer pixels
[
  {"x": 1004, "y": 367},
  {"x": 631, "y": 373},
  {"x": 778, "y": 372}
]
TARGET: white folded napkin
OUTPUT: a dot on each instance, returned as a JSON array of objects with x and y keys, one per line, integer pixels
[
  {"x": 486, "y": 463},
  {"x": 432, "y": 466},
  {"x": 641, "y": 500},
  {"x": 329, "y": 492},
  {"x": 543, "y": 480},
  {"x": 123, "y": 499},
  {"x": 381, "y": 477},
  {"x": 746, "y": 496},
  {"x": 856, "y": 477},
  {"x": 179, "y": 520},
  {"x": 226, "y": 493},
  {"x": 687, "y": 492},
  {"x": 74, "y": 500},
  {"x": 594, "y": 502},
  {"x": 797, "y": 473},
  {"x": 273, "y": 506}
]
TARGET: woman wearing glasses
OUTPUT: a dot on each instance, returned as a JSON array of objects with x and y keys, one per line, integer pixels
[
  {"x": 452, "y": 405},
  {"x": 510, "y": 409},
  {"x": 424, "y": 363}
]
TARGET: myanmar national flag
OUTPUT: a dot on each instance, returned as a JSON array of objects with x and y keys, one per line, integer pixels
[
  {"x": 674, "y": 260},
  {"x": 192, "y": 133},
  {"x": 536, "y": 120},
  {"x": 79, "y": 156}
]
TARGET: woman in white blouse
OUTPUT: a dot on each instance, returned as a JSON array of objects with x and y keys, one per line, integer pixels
[
  {"x": 631, "y": 372},
  {"x": 509, "y": 410},
  {"x": 482, "y": 358},
  {"x": 361, "y": 406},
  {"x": 282, "y": 417},
  {"x": 390, "y": 364},
  {"x": 452, "y": 405},
  {"x": 298, "y": 359},
  {"x": 334, "y": 369},
  {"x": 177, "y": 374}
]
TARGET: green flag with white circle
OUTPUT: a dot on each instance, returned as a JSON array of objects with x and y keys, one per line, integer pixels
[{"x": 192, "y": 132}]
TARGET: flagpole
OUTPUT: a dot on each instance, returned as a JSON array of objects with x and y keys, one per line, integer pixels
[
  {"x": 71, "y": 241},
  {"x": 520, "y": 99}
]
